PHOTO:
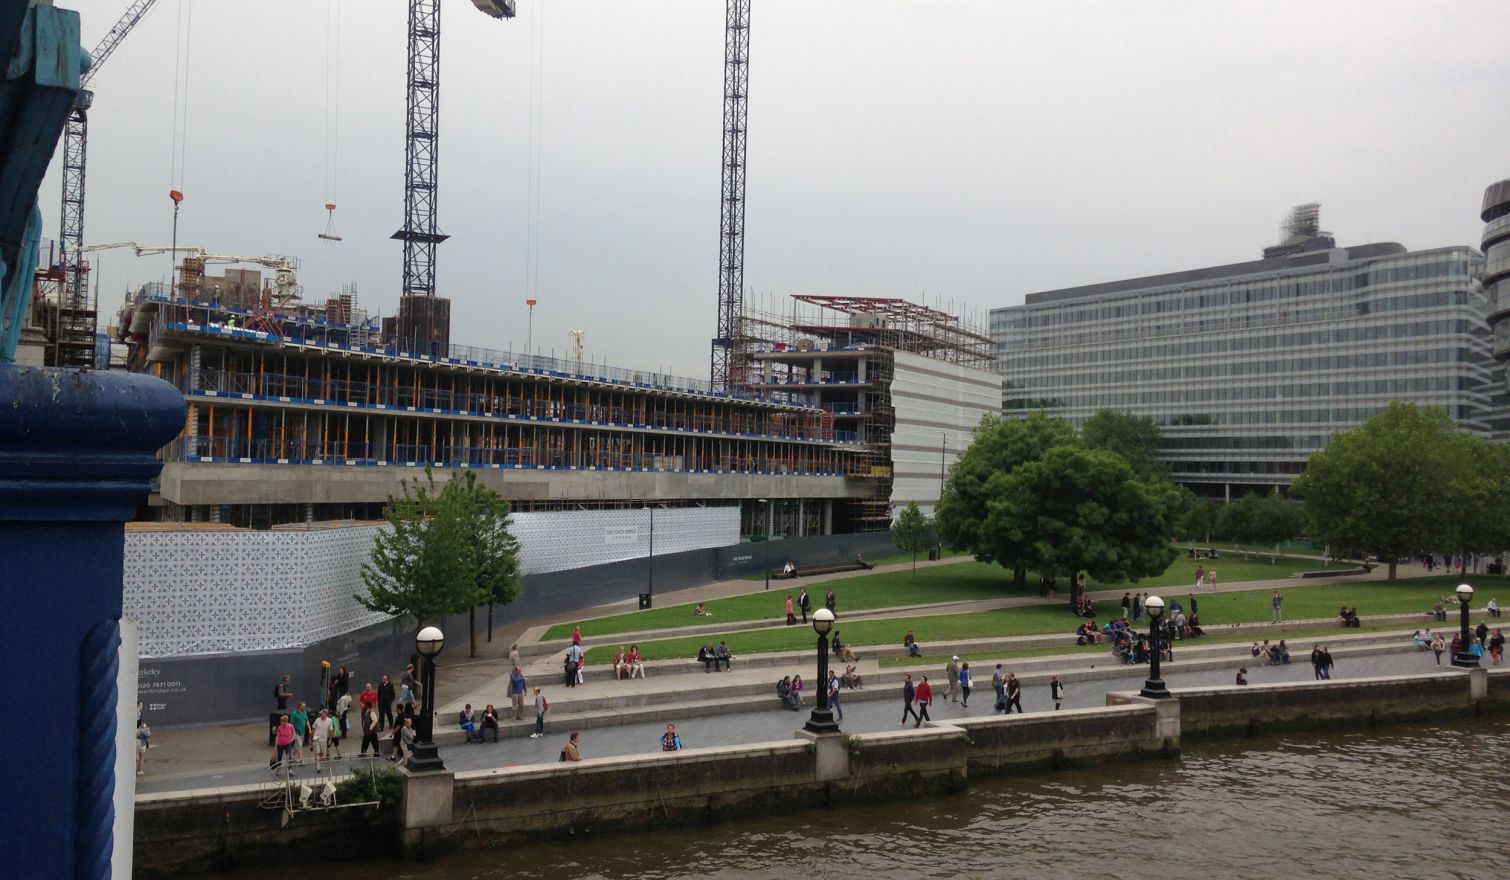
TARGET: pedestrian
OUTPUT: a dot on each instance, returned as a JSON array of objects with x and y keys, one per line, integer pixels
[
  {"x": 1191, "y": 600},
  {"x": 321, "y": 732},
  {"x": 541, "y": 707},
  {"x": 284, "y": 739},
  {"x": 300, "y": 718},
  {"x": 144, "y": 741},
  {"x": 385, "y": 700},
  {"x": 407, "y": 679},
  {"x": 1137, "y": 606},
  {"x": 1126, "y": 606},
  {"x": 805, "y": 603},
  {"x": 1326, "y": 664},
  {"x": 909, "y": 694},
  {"x": 573, "y": 750},
  {"x": 1210, "y": 580},
  {"x": 518, "y": 687},
  {"x": 791, "y": 616},
  {"x": 951, "y": 677},
  {"x": 1056, "y": 690},
  {"x": 283, "y": 692},
  {"x": 576, "y": 635},
  {"x": 1278, "y": 601},
  {"x": 489, "y": 722},
  {"x": 515, "y": 661},
  {"x": 1242, "y": 675},
  {"x": 403, "y": 738},
  {"x": 368, "y": 697},
  {"x": 833, "y": 695},
  {"x": 343, "y": 706},
  {"x": 370, "y": 727},
  {"x": 670, "y": 742},
  {"x": 1481, "y": 633},
  {"x": 997, "y": 684},
  {"x": 1497, "y": 647},
  {"x": 829, "y": 601},
  {"x": 964, "y": 684},
  {"x": 925, "y": 699},
  {"x": 1014, "y": 693},
  {"x": 406, "y": 699},
  {"x": 1316, "y": 661},
  {"x": 1437, "y": 647},
  {"x": 1200, "y": 577}
]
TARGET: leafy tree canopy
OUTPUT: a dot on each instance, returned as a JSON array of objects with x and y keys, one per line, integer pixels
[
  {"x": 1135, "y": 438},
  {"x": 912, "y": 532}
]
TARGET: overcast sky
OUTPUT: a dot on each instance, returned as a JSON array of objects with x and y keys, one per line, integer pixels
[{"x": 971, "y": 151}]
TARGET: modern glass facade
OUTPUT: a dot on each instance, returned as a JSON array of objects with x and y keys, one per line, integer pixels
[{"x": 1249, "y": 368}]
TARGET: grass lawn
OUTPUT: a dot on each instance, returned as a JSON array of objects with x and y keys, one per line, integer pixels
[
  {"x": 963, "y": 581},
  {"x": 1215, "y": 609}
]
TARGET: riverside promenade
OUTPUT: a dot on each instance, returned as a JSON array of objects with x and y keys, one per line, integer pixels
[{"x": 626, "y": 717}]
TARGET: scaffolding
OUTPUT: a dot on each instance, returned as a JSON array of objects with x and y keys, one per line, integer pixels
[
  {"x": 838, "y": 353},
  {"x": 68, "y": 323}
]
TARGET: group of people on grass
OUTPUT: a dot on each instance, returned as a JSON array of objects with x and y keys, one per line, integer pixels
[{"x": 803, "y": 604}]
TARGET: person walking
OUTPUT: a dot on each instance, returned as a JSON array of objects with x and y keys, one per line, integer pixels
[
  {"x": 283, "y": 751},
  {"x": 321, "y": 733},
  {"x": 925, "y": 699},
  {"x": 1497, "y": 647},
  {"x": 1326, "y": 664},
  {"x": 965, "y": 680},
  {"x": 370, "y": 728},
  {"x": 804, "y": 602},
  {"x": 283, "y": 692},
  {"x": 1200, "y": 577},
  {"x": 1481, "y": 633},
  {"x": 1191, "y": 600},
  {"x": 300, "y": 718},
  {"x": 909, "y": 694},
  {"x": 829, "y": 600},
  {"x": 791, "y": 616},
  {"x": 368, "y": 697},
  {"x": 385, "y": 700},
  {"x": 1014, "y": 693},
  {"x": 1127, "y": 606},
  {"x": 1137, "y": 606},
  {"x": 541, "y": 707},
  {"x": 997, "y": 684},
  {"x": 951, "y": 677},
  {"x": 1437, "y": 647},
  {"x": 1056, "y": 691},
  {"x": 518, "y": 687},
  {"x": 1278, "y": 602},
  {"x": 833, "y": 695},
  {"x": 670, "y": 742}
]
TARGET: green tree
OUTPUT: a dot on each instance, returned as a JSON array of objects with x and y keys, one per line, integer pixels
[
  {"x": 1199, "y": 518},
  {"x": 1388, "y": 486},
  {"x": 1480, "y": 518},
  {"x": 448, "y": 550},
  {"x": 912, "y": 533},
  {"x": 1273, "y": 521},
  {"x": 1135, "y": 438},
  {"x": 1077, "y": 509},
  {"x": 999, "y": 447}
]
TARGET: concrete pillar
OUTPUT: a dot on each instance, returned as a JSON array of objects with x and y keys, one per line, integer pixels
[
  {"x": 1478, "y": 683},
  {"x": 428, "y": 798},
  {"x": 860, "y": 369},
  {"x": 77, "y": 455},
  {"x": 828, "y": 516},
  {"x": 832, "y": 751}
]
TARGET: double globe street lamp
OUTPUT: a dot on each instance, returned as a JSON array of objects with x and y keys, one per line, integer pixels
[
  {"x": 822, "y": 719},
  {"x": 1464, "y": 657},
  {"x": 1154, "y": 686},
  {"x": 425, "y": 757}
]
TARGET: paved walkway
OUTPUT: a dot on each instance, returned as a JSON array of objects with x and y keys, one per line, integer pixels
[{"x": 167, "y": 773}]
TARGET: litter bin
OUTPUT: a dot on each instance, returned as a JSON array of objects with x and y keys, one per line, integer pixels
[
  {"x": 272, "y": 728},
  {"x": 644, "y": 601},
  {"x": 933, "y": 554}
]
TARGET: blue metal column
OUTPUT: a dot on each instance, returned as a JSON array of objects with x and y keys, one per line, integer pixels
[{"x": 77, "y": 456}]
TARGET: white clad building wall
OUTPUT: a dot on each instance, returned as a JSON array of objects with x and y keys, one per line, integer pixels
[
  {"x": 196, "y": 591},
  {"x": 938, "y": 406}
]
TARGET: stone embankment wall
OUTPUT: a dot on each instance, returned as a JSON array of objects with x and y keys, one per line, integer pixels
[{"x": 196, "y": 831}]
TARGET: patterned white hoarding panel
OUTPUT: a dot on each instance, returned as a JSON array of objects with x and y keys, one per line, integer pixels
[{"x": 198, "y": 591}]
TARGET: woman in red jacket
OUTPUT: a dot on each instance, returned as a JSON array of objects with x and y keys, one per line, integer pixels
[{"x": 925, "y": 699}]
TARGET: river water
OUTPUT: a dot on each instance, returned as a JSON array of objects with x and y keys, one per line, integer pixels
[{"x": 1365, "y": 805}]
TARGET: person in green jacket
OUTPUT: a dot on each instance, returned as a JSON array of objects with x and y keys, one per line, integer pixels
[{"x": 300, "y": 719}]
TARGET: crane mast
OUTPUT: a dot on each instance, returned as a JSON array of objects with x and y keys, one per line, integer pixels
[
  {"x": 731, "y": 242},
  {"x": 75, "y": 155}
]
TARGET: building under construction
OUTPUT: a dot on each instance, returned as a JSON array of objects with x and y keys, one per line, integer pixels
[
  {"x": 909, "y": 382},
  {"x": 301, "y": 412}
]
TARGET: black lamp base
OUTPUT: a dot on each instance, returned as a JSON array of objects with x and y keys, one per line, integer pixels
[
  {"x": 822, "y": 721},
  {"x": 424, "y": 758},
  {"x": 1465, "y": 660},
  {"x": 1154, "y": 688}
]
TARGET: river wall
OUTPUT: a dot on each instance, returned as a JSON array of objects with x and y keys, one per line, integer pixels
[{"x": 210, "y": 829}]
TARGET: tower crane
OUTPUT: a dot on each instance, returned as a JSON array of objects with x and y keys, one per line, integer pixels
[
  {"x": 75, "y": 150},
  {"x": 417, "y": 320},
  {"x": 731, "y": 240},
  {"x": 286, "y": 286}
]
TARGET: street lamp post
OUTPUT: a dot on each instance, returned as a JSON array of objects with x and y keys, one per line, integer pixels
[
  {"x": 822, "y": 719},
  {"x": 765, "y": 509},
  {"x": 650, "y": 562},
  {"x": 1154, "y": 687},
  {"x": 425, "y": 757},
  {"x": 1464, "y": 658}
]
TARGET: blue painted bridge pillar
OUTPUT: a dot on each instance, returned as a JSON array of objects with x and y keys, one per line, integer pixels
[{"x": 77, "y": 456}]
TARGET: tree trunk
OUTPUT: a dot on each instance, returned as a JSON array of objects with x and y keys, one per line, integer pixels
[
  {"x": 1274, "y": 557},
  {"x": 914, "y": 571},
  {"x": 472, "y": 631},
  {"x": 1019, "y": 577},
  {"x": 1392, "y": 564},
  {"x": 1074, "y": 591}
]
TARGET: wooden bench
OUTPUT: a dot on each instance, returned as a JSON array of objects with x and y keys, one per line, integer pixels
[{"x": 831, "y": 568}]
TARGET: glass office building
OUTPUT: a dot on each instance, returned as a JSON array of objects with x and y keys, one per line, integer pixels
[{"x": 1249, "y": 368}]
